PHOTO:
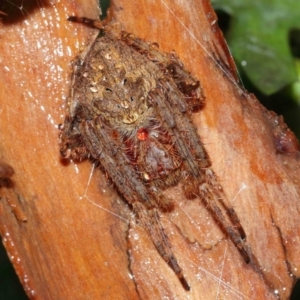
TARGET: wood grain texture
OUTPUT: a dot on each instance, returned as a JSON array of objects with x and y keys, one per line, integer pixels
[{"x": 80, "y": 240}]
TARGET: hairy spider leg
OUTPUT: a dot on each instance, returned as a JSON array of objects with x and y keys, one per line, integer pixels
[
  {"x": 89, "y": 22},
  {"x": 150, "y": 221},
  {"x": 212, "y": 178},
  {"x": 108, "y": 154},
  {"x": 197, "y": 161}
]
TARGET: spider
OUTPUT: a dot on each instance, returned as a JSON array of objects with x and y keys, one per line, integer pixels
[{"x": 129, "y": 111}]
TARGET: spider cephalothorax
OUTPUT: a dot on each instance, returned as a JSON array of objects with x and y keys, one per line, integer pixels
[{"x": 129, "y": 110}]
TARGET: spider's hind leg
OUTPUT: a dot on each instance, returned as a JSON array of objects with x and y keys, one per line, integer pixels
[
  {"x": 214, "y": 202},
  {"x": 222, "y": 199},
  {"x": 211, "y": 193}
]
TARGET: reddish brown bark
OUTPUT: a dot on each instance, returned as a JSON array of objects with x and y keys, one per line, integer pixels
[{"x": 73, "y": 244}]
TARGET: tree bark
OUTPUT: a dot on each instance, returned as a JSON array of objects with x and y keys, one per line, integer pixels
[{"x": 68, "y": 232}]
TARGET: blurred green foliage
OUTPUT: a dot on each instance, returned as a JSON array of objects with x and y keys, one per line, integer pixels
[
  {"x": 258, "y": 37},
  {"x": 10, "y": 286},
  {"x": 264, "y": 38}
]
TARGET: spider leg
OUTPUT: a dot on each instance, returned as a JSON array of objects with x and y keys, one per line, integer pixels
[
  {"x": 150, "y": 221},
  {"x": 173, "y": 118},
  {"x": 197, "y": 161},
  {"x": 211, "y": 199},
  {"x": 89, "y": 22},
  {"x": 176, "y": 99},
  {"x": 112, "y": 159},
  {"x": 71, "y": 144},
  {"x": 212, "y": 178}
]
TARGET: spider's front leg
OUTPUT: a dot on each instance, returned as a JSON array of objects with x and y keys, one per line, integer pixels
[
  {"x": 214, "y": 197},
  {"x": 109, "y": 153},
  {"x": 71, "y": 143}
]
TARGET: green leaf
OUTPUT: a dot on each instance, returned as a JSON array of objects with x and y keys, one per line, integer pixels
[{"x": 259, "y": 40}]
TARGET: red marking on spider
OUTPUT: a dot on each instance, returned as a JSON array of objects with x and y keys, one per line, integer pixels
[{"x": 142, "y": 134}]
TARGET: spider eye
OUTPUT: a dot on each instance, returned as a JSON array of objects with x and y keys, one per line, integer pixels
[
  {"x": 124, "y": 81},
  {"x": 124, "y": 104},
  {"x": 131, "y": 99}
]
